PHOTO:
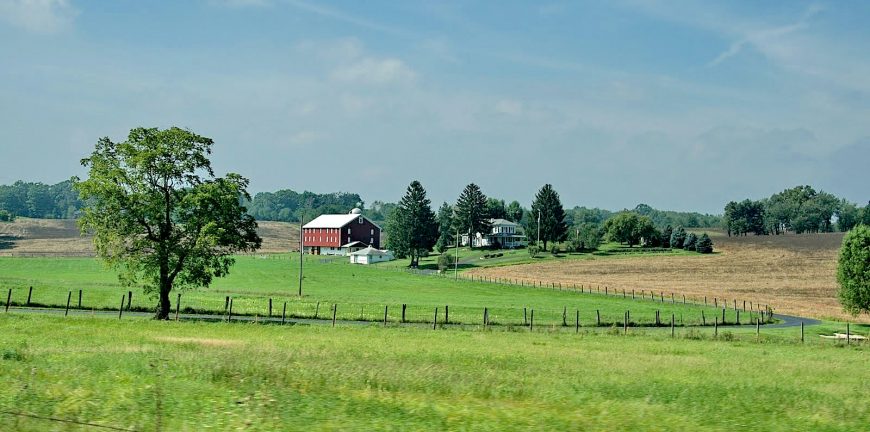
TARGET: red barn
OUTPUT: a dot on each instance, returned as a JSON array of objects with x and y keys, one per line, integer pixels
[{"x": 340, "y": 234}]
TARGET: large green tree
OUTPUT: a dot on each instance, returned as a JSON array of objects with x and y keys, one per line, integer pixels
[
  {"x": 160, "y": 216},
  {"x": 515, "y": 212},
  {"x": 412, "y": 229},
  {"x": 853, "y": 271},
  {"x": 445, "y": 228},
  {"x": 630, "y": 228},
  {"x": 471, "y": 212},
  {"x": 547, "y": 208}
]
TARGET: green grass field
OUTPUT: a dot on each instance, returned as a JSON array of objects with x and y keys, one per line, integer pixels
[
  {"x": 475, "y": 258},
  {"x": 361, "y": 292},
  {"x": 137, "y": 373}
]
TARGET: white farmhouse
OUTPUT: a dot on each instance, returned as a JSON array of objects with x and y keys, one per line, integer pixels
[{"x": 504, "y": 235}]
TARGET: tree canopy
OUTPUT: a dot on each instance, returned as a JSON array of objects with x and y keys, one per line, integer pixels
[
  {"x": 445, "y": 227},
  {"x": 547, "y": 209},
  {"x": 412, "y": 229},
  {"x": 160, "y": 216},
  {"x": 471, "y": 212},
  {"x": 800, "y": 209},
  {"x": 630, "y": 228},
  {"x": 853, "y": 271}
]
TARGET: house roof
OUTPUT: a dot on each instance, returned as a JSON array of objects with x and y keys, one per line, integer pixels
[
  {"x": 354, "y": 244},
  {"x": 369, "y": 251},
  {"x": 502, "y": 222},
  {"x": 335, "y": 220}
]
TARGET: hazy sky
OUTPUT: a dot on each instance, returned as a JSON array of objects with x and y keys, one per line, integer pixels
[{"x": 681, "y": 105}]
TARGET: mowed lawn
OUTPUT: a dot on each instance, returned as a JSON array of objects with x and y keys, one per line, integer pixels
[
  {"x": 361, "y": 292},
  {"x": 200, "y": 376}
]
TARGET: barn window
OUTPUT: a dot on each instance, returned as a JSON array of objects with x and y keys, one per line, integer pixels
[
  {"x": 360, "y": 220},
  {"x": 348, "y": 231},
  {"x": 373, "y": 231}
]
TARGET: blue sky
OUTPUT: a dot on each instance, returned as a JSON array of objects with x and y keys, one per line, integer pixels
[{"x": 681, "y": 105}]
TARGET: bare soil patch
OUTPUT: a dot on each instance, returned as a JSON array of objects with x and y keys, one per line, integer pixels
[
  {"x": 794, "y": 274},
  {"x": 61, "y": 237}
]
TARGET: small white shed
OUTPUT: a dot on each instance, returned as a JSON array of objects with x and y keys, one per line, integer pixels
[{"x": 370, "y": 255}]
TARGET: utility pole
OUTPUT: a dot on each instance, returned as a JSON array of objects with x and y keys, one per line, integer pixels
[
  {"x": 301, "y": 251},
  {"x": 456, "y": 260}
]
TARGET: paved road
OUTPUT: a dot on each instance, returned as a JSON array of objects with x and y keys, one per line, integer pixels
[{"x": 785, "y": 320}]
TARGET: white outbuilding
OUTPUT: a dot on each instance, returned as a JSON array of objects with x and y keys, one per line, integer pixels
[{"x": 370, "y": 255}]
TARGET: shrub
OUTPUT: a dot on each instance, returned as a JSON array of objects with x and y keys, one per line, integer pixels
[
  {"x": 853, "y": 271},
  {"x": 554, "y": 249},
  {"x": 678, "y": 237},
  {"x": 445, "y": 261},
  {"x": 533, "y": 251},
  {"x": 704, "y": 245},
  {"x": 689, "y": 243},
  {"x": 5, "y": 216}
]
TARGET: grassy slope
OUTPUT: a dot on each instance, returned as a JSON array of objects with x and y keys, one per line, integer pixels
[
  {"x": 359, "y": 290},
  {"x": 474, "y": 258},
  {"x": 244, "y": 376}
]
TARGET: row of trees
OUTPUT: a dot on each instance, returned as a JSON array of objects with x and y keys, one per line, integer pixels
[
  {"x": 290, "y": 206},
  {"x": 801, "y": 209},
  {"x": 413, "y": 229},
  {"x": 39, "y": 200}
]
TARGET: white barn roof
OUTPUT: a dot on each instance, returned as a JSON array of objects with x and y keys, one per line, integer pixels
[
  {"x": 335, "y": 220},
  {"x": 369, "y": 251}
]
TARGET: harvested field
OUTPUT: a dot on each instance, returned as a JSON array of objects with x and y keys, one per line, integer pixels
[
  {"x": 61, "y": 237},
  {"x": 794, "y": 274}
]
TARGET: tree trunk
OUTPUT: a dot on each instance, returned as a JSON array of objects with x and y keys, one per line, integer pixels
[{"x": 164, "y": 307}]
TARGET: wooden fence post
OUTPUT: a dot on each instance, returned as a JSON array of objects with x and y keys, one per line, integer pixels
[
  {"x": 270, "y": 307},
  {"x": 121, "y": 307},
  {"x": 485, "y": 317},
  {"x": 848, "y": 334},
  {"x": 404, "y": 306},
  {"x": 723, "y": 313},
  {"x": 625, "y": 323},
  {"x": 446, "y": 314},
  {"x": 564, "y": 316},
  {"x": 129, "y": 299},
  {"x": 284, "y": 314},
  {"x": 757, "y": 329},
  {"x": 703, "y": 319},
  {"x": 435, "y": 320},
  {"x": 334, "y": 311},
  {"x": 802, "y": 332},
  {"x": 177, "y": 306},
  {"x": 623, "y": 293},
  {"x": 684, "y": 299},
  {"x": 532, "y": 320},
  {"x": 577, "y": 322},
  {"x": 80, "y": 299},
  {"x": 226, "y": 304},
  {"x": 386, "y": 307},
  {"x": 68, "y": 298},
  {"x": 738, "y": 316},
  {"x": 8, "y": 299},
  {"x": 716, "y": 327},
  {"x": 316, "y": 310},
  {"x": 673, "y": 325},
  {"x": 230, "y": 313},
  {"x": 29, "y": 292},
  {"x": 597, "y": 318},
  {"x": 672, "y": 299},
  {"x": 525, "y": 321}
]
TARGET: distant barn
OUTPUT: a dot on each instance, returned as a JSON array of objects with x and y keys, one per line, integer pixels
[{"x": 340, "y": 234}]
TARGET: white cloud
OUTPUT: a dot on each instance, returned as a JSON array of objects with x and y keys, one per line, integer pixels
[
  {"x": 38, "y": 16},
  {"x": 509, "y": 107},
  {"x": 370, "y": 70}
]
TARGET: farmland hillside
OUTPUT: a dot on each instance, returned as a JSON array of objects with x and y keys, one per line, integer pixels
[
  {"x": 793, "y": 273},
  {"x": 60, "y": 237}
]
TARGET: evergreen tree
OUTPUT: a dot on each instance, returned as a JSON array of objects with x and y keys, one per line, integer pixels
[
  {"x": 515, "y": 212},
  {"x": 678, "y": 237},
  {"x": 471, "y": 213},
  {"x": 495, "y": 208},
  {"x": 704, "y": 245},
  {"x": 412, "y": 230},
  {"x": 666, "y": 236},
  {"x": 689, "y": 243},
  {"x": 445, "y": 228},
  {"x": 548, "y": 209}
]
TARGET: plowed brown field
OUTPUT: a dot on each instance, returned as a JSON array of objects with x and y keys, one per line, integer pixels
[{"x": 794, "y": 274}]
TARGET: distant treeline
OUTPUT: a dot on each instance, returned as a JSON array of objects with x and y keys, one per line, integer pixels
[
  {"x": 291, "y": 206},
  {"x": 659, "y": 218},
  {"x": 39, "y": 200},
  {"x": 60, "y": 201},
  {"x": 801, "y": 209}
]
